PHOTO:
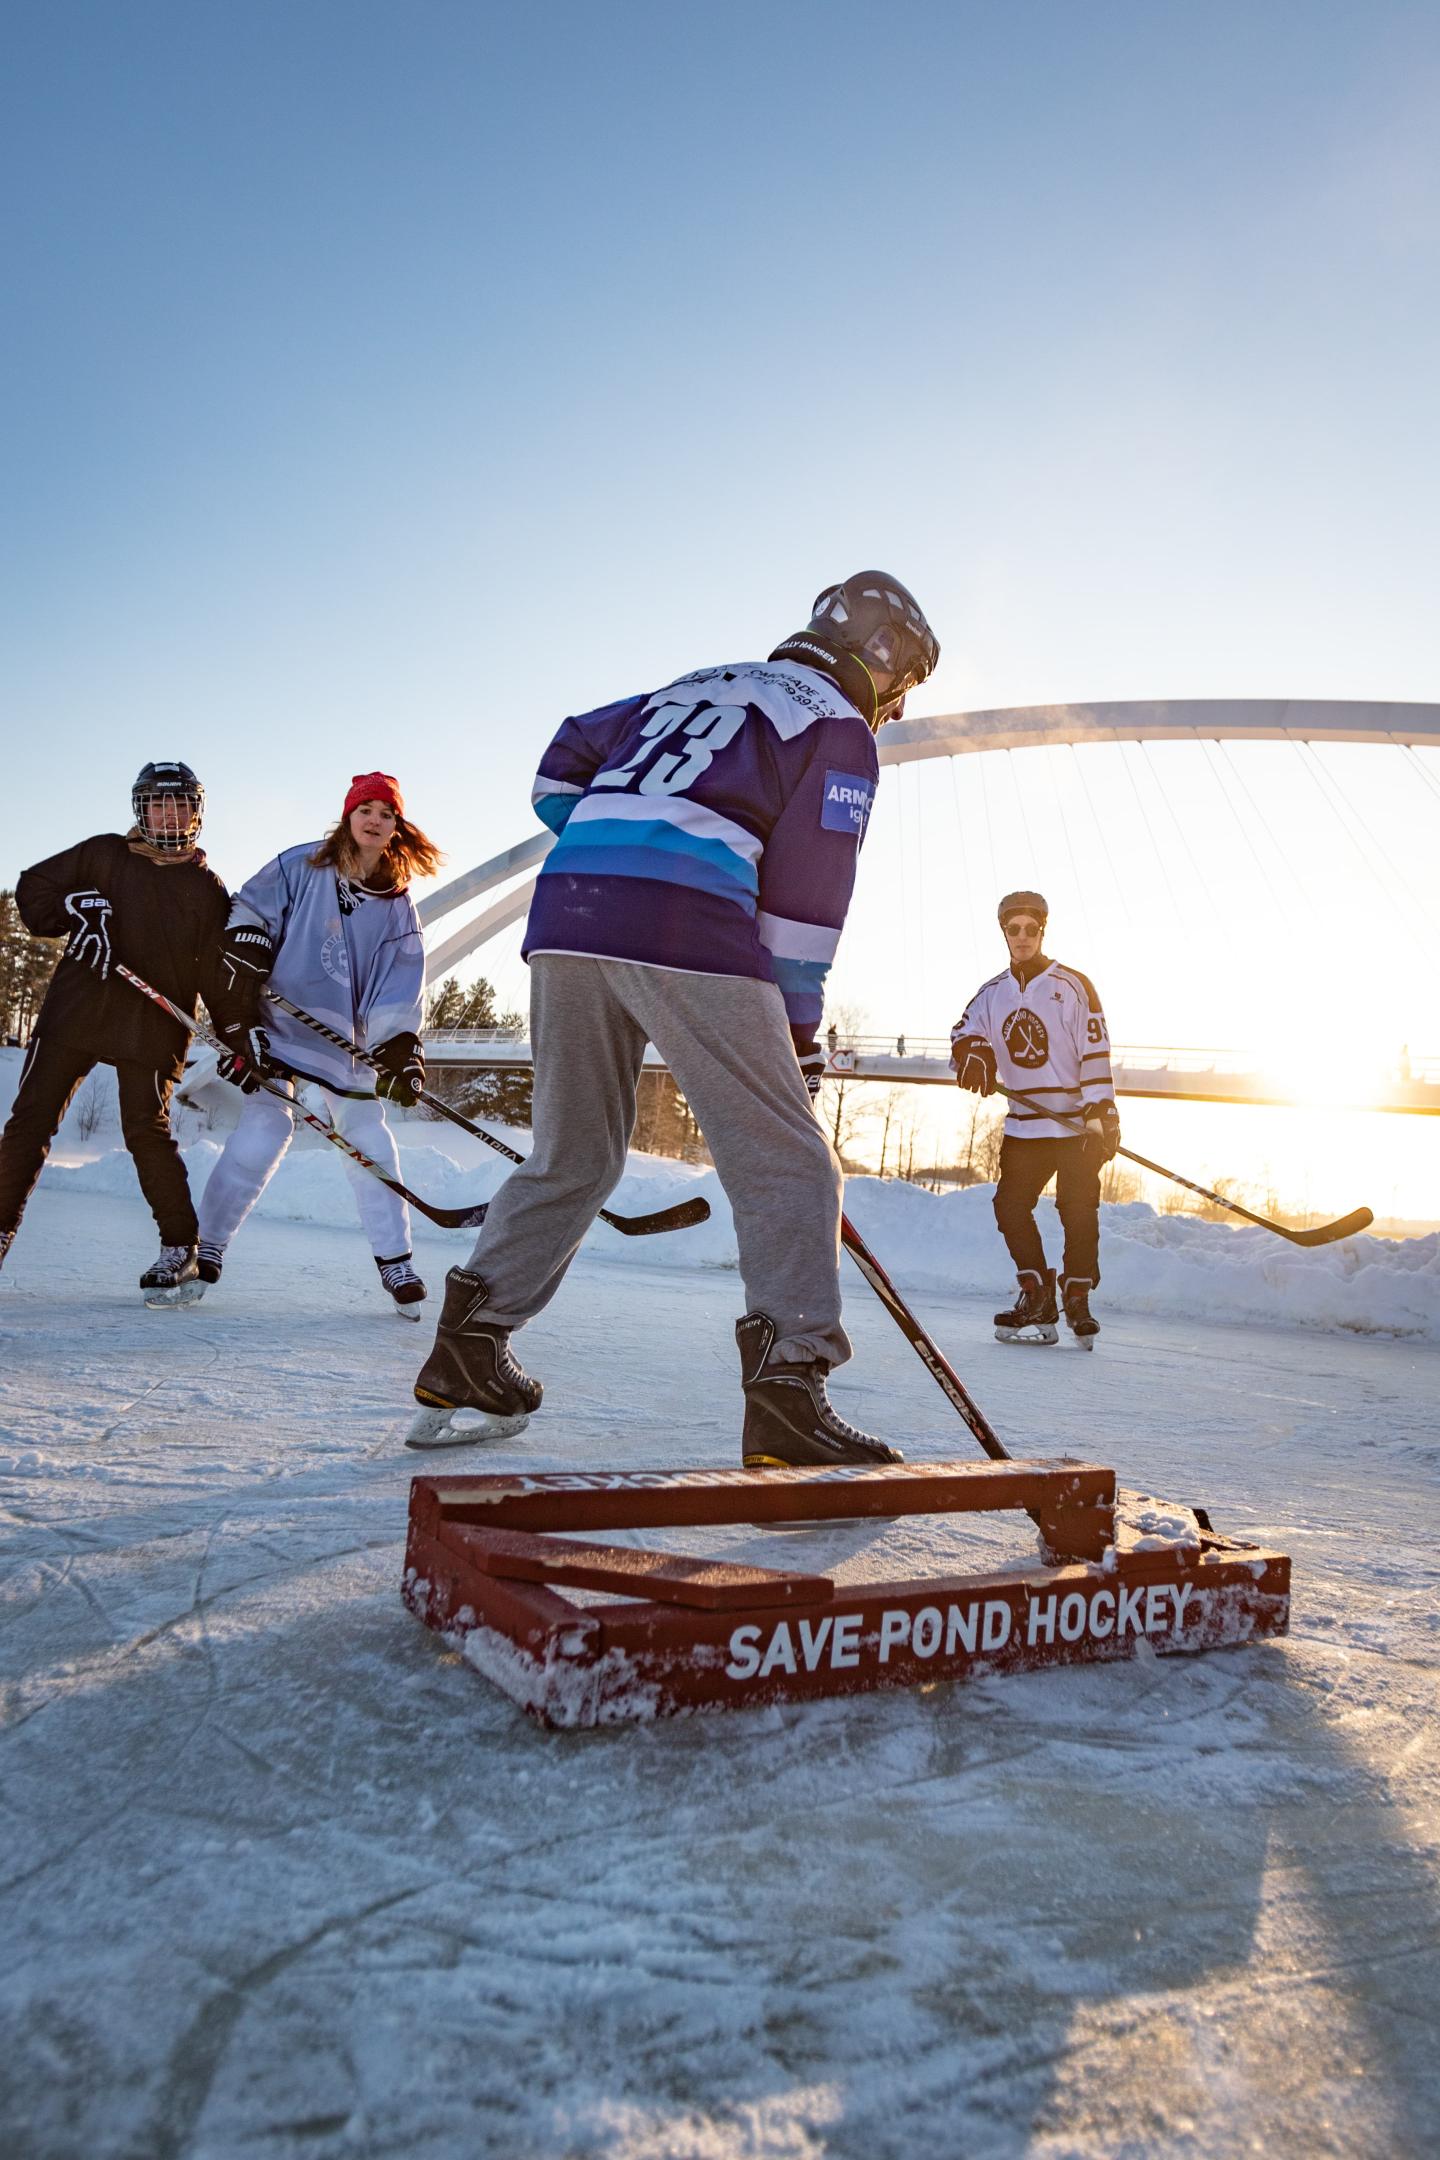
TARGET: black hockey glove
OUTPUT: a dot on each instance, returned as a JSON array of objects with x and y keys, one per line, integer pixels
[
  {"x": 90, "y": 939},
  {"x": 974, "y": 1063},
  {"x": 1102, "y": 1131},
  {"x": 812, "y": 1071},
  {"x": 400, "y": 1069},
  {"x": 246, "y": 1056},
  {"x": 242, "y": 968}
]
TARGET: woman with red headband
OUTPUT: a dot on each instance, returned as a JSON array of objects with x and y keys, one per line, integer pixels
[{"x": 333, "y": 929}]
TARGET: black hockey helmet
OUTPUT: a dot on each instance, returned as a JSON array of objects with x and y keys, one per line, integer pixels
[
  {"x": 873, "y": 616},
  {"x": 869, "y": 619},
  {"x": 166, "y": 779}
]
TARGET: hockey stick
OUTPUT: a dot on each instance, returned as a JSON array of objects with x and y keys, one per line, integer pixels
[
  {"x": 466, "y": 1218},
  {"x": 680, "y": 1217},
  {"x": 1323, "y": 1234},
  {"x": 931, "y": 1357},
  {"x": 934, "y": 1359}
]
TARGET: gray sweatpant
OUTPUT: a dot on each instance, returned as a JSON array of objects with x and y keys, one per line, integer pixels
[{"x": 727, "y": 1043}]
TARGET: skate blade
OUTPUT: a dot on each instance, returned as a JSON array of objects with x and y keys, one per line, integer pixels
[
  {"x": 410, "y": 1312},
  {"x": 176, "y": 1300},
  {"x": 461, "y": 1428},
  {"x": 1037, "y": 1335}
]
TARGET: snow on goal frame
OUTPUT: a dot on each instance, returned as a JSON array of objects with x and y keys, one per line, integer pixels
[
  {"x": 490, "y": 1560},
  {"x": 1021, "y": 727}
]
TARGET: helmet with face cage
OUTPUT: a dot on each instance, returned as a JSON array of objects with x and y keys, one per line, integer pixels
[{"x": 167, "y": 780}]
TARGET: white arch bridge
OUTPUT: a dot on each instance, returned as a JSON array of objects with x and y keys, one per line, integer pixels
[{"x": 1194, "y": 1075}]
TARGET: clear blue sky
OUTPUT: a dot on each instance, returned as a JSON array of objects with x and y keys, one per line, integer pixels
[{"x": 383, "y": 381}]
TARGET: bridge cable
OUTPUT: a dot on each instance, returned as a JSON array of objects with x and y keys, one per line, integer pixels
[
  {"x": 1201, "y": 878},
  {"x": 966, "y": 879},
  {"x": 904, "y": 895},
  {"x": 1246, "y": 833},
  {"x": 1150, "y": 836},
  {"x": 1420, "y": 766},
  {"x": 1344, "y": 809},
  {"x": 1121, "y": 892},
  {"x": 1077, "y": 882},
  {"x": 1278, "y": 852},
  {"x": 989, "y": 832},
  {"x": 920, "y": 874}
]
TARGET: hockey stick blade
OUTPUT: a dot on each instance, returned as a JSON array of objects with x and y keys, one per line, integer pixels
[
  {"x": 1328, "y": 1233},
  {"x": 1323, "y": 1234},
  {"x": 683, "y": 1216}
]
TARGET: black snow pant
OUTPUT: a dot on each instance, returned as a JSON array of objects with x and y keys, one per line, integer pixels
[
  {"x": 48, "y": 1080},
  {"x": 1026, "y": 1168}
]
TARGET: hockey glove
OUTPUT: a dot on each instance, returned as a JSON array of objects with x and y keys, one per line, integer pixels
[
  {"x": 90, "y": 939},
  {"x": 812, "y": 1071},
  {"x": 400, "y": 1069},
  {"x": 246, "y": 1056},
  {"x": 1102, "y": 1131},
  {"x": 974, "y": 1063},
  {"x": 242, "y": 967}
]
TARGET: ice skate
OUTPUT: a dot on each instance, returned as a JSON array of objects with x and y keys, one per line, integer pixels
[
  {"x": 471, "y": 1387},
  {"x": 172, "y": 1279},
  {"x": 789, "y": 1418},
  {"x": 404, "y": 1285},
  {"x": 1033, "y": 1316},
  {"x": 209, "y": 1261},
  {"x": 1075, "y": 1298}
]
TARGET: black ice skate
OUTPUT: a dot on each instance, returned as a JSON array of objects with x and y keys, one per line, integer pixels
[
  {"x": 1075, "y": 1297},
  {"x": 789, "y": 1418},
  {"x": 470, "y": 1372},
  {"x": 210, "y": 1261},
  {"x": 404, "y": 1285},
  {"x": 1033, "y": 1317},
  {"x": 7, "y": 1239},
  {"x": 171, "y": 1279}
]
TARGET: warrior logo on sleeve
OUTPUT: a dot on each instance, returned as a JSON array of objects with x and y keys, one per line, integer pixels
[{"x": 1026, "y": 1039}]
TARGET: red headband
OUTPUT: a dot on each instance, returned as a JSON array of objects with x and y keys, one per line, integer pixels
[{"x": 374, "y": 787}]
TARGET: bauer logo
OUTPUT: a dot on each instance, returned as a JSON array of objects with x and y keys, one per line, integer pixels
[{"x": 848, "y": 797}]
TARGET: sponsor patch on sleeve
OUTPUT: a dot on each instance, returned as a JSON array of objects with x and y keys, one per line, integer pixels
[{"x": 846, "y": 808}]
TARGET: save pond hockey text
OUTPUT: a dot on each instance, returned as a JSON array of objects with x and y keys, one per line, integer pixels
[{"x": 835, "y": 1641}]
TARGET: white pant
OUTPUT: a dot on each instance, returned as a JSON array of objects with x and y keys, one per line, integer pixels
[{"x": 252, "y": 1156}]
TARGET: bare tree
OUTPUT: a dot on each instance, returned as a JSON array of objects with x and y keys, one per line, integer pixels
[{"x": 91, "y": 1109}]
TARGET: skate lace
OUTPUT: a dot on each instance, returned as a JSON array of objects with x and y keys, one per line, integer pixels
[
  {"x": 172, "y": 1256},
  {"x": 396, "y": 1273},
  {"x": 842, "y": 1425}
]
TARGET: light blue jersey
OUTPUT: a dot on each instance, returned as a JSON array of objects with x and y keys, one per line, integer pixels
[{"x": 352, "y": 957}]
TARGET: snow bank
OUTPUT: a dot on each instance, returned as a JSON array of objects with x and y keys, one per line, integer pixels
[{"x": 1174, "y": 1265}]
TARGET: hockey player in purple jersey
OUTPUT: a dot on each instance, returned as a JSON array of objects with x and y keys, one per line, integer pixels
[
  {"x": 1038, "y": 1026},
  {"x": 707, "y": 841}
]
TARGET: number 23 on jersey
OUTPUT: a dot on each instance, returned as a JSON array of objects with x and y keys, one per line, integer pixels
[{"x": 676, "y": 745}]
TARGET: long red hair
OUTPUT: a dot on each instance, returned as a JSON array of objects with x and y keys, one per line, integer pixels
[{"x": 409, "y": 854}]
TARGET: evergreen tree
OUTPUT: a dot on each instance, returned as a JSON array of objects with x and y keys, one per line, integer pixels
[
  {"x": 26, "y": 965},
  {"x": 506, "y": 1096}
]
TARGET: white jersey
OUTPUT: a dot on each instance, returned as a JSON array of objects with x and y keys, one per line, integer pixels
[{"x": 1049, "y": 1040}]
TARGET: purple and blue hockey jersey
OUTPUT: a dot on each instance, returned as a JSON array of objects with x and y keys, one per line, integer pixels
[{"x": 712, "y": 827}]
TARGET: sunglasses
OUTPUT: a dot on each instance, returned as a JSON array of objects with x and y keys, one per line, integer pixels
[{"x": 1021, "y": 926}]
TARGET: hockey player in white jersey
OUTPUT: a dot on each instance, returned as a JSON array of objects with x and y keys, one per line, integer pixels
[{"x": 1038, "y": 1027}]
